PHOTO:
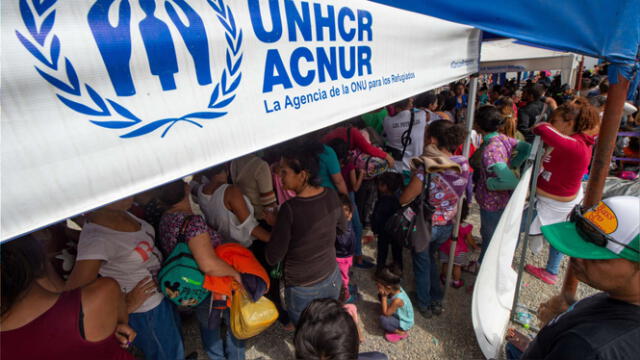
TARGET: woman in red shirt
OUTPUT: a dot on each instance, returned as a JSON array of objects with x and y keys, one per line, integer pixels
[
  {"x": 566, "y": 160},
  {"x": 38, "y": 323}
]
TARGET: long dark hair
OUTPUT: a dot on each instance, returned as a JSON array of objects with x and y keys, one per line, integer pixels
[
  {"x": 448, "y": 134},
  {"x": 22, "y": 262},
  {"x": 305, "y": 158},
  {"x": 326, "y": 331}
]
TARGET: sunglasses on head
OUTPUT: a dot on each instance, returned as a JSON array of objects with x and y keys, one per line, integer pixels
[{"x": 590, "y": 232}]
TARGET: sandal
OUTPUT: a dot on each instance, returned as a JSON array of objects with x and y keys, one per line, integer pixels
[{"x": 541, "y": 274}]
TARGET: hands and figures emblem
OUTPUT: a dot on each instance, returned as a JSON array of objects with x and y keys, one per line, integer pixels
[
  {"x": 114, "y": 43},
  {"x": 195, "y": 38}
]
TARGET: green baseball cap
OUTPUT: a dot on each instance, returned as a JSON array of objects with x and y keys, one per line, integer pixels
[{"x": 618, "y": 218}]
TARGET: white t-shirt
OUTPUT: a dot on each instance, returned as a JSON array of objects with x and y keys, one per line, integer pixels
[
  {"x": 224, "y": 221},
  {"x": 395, "y": 126},
  {"x": 129, "y": 256}
]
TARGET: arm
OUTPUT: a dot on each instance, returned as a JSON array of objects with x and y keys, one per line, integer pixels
[
  {"x": 553, "y": 137},
  {"x": 356, "y": 177},
  {"x": 338, "y": 181},
  {"x": 522, "y": 151},
  {"x": 265, "y": 184},
  {"x": 207, "y": 260},
  {"x": 84, "y": 272},
  {"x": 104, "y": 309},
  {"x": 470, "y": 241},
  {"x": 358, "y": 141},
  {"x": 505, "y": 178},
  {"x": 280, "y": 236},
  {"x": 412, "y": 190},
  {"x": 388, "y": 310},
  {"x": 237, "y": 205}
]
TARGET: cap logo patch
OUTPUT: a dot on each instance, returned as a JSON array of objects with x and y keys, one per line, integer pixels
[{"x": 603, "y": 217}]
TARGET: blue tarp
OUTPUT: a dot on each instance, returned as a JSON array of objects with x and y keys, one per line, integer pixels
[{"x": 604, "y": 29}]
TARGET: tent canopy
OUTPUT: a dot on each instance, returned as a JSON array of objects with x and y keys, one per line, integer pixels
[
  {"x": 603, "y": 29},
  {"x": 100, "y": 102},
  {"x": 509, "y": 55}
]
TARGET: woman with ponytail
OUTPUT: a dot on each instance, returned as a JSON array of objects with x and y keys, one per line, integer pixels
[
  {"x": 566, "y": 160},
  {"x": 303, "y": 237},
  {"x": 448, "y": 183}
]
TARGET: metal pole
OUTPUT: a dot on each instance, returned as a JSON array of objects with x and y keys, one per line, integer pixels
[
  {"x": 535, "y": 157},
  {"x": 600, "y": 167},
  {"x": 471, "y": 106}
]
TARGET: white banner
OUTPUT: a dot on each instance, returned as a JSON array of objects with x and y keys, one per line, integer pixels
[
  {"x": 102, "y": 99},
  {"x": 495, "y": 285}
]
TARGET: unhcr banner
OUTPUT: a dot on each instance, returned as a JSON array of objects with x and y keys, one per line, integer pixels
[{"x": 102, "y": 99}]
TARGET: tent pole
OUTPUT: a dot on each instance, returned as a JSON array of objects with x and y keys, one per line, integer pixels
[
  {"x": 600, "y": 168},
  {"x": 535, "y": 157},
  {"x": 471, "y": 106},
  {"x": 578, "y": 86}
]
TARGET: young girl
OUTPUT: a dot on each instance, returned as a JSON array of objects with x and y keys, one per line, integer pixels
[
  {"x": 397, "y": 311},
  {"x": 345, "y": 245},
  {"x": 387, "y": 204},
  {"x": 462, "y": 250}
]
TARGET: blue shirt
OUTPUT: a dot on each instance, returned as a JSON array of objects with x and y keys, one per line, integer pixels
[
  {"x": 404, "y": 313},
  {"x": 329, "y": 165}
]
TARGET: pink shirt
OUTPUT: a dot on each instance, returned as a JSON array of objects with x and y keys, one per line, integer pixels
[{"x": 461, "y": 245}]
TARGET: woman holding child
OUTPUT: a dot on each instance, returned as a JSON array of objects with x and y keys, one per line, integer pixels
[{"x": 448, "y": 183}]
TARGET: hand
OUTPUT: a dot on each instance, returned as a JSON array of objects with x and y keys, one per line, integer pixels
[
  {"x": 144, "y": 289},
  {"x": 361, "y": 173},
  {"x": 552, "y": 308},
  {"x": 237, "y": 278},
  {"x": 390, "y": 160},
  {"x": 125, "y": 335}
]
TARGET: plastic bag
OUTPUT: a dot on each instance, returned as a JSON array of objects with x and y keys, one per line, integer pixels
[{"x": 249, "y": 318}]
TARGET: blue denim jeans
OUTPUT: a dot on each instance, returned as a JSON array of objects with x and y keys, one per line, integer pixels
[
  {"x": 555, "y": 257},
  {"x": 425, "y": 268},
  {"x": 299, "y": 297},
  {"x": 488, "y": 223},
  {"x": 158, "y": 332},
  {"x": 357, "y": 224},
  {"x": 216, "y": 347}
]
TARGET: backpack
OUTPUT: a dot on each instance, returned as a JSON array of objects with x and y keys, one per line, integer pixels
[
  {"x": 372, "y": 166},
  {"x": 180, "y": 278}
]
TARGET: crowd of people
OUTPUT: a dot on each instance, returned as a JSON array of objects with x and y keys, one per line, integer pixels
[{"x": 301, "y": 210}]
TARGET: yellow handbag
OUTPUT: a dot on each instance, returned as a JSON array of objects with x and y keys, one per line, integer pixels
[{"x": 250, "y": 318}]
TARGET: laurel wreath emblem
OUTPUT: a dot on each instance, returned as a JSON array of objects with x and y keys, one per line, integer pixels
[{"x": 45, "y": 47}]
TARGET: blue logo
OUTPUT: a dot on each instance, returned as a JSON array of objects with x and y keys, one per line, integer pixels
[{"x": 115, "y": 46}]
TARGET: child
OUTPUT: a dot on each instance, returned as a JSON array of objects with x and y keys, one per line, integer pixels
[
  {"x": 345, "y": 246},
  {"x": 388, "y": 185},
  {"x": 327, "y": 331},
  {"x": 397, "y": 311},
  {"x": 462, "y": 250}
]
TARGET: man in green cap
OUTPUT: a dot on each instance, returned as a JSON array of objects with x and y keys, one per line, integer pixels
[{"x": 605, "y": 244}]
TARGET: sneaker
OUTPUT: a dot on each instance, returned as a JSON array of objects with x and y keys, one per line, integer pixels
[
  {"x": 457, "y": 284},
  {"x": 426, "y": 312},
  {"x": 394, "y": 338},
  {"x": 436, "y": 308},
  {"x": 541, "y": 274}
]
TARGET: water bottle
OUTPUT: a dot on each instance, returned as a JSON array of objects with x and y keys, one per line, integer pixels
[{"x": 524, "y": 318}]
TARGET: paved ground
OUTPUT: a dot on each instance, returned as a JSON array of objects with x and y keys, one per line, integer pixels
[{"x": 449, "y": 336}]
